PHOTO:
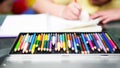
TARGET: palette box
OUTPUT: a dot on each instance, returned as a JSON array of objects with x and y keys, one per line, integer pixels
[{"x": 117, "y": 51}]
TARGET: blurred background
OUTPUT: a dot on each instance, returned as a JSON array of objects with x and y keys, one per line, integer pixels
[{"x": 16, "y": 6}]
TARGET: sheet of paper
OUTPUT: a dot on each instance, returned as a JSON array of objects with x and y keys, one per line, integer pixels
[
  {"x": 55, "y": 23},
  {"x": 14, "y": 24}
]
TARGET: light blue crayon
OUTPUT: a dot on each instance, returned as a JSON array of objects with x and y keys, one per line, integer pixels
[
  {"x": 75, "y": 44},
  {"x": 32, "y": 41},
  {"x": 86, "y": 46}
]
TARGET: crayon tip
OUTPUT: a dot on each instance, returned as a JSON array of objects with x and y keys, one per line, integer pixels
[
  {"x": 38, "y": 49},
  {"x": 55, "y": 49},
  {"x": 44, "y": 49},
  {"x": 107, "y": 49},
  {"x": 82, "y": 52},
  {"x": 92, "y": 49},
  {"x": 26, "y": 51},
  {"x": 88, "y": 52},
  {"x": 15, "y": 50},
  {"x": 115, "y": 47},
  {"x": 99, "y": 50},
  {"x": 50, "y": 50},
  {"x": 47, "y": 49},
  {"x": 32, "y": 52},
  {"x": 72, "y": 48},
  {"x": 67, "y": 52},
  {"x": 64, "y": 49},
  {"x": 76, "y": 51},
  {"x": 29, "y": 50},
  {"x": 41, "y": 49},
  {"x": 85, "y": 52}
]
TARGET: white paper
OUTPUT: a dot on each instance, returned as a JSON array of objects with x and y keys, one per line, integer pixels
[
  {"x": 56, "y": 24},
  {"x": 14, "y": 24}
]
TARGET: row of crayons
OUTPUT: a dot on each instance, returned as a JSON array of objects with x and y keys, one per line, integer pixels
[{"x": 84, "y": 43}]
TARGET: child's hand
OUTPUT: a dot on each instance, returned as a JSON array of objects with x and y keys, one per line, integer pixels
[
  {"x": 107, "y": 16},
  {"x": 71, "y": 12}
]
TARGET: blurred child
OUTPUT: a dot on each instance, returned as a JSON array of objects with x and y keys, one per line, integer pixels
[
  {"x": 5, "y": 6},
  {"x": 69, "y": 9}
]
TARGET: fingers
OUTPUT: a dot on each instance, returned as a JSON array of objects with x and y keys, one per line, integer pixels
[
  {"x": 108, "y": 19},
  {"x": 96, "y": 15},
  {"x": 105, "y": 17},
  {"x": 73, "y": 11}
]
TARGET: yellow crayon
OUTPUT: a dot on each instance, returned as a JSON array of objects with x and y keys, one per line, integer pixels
[
  {"x": 33, "y": 48},
  {"x": 42, "y": 45}
]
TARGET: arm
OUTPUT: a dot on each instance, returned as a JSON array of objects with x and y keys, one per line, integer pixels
[{"x": 72, "y": 11}]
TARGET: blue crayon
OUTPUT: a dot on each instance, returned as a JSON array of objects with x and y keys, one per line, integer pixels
[
  {"x": 78, "y": 40},
  {"x": 75, "y": 45},
  {"x": 95, "y": 42},
  {"x": 32, "y": 41},
  {"x": 86, "y": 39},
  {"x": 107, "y": 42},
  {"x": 86, "y": 46},
  {"x": 29, "y": 41}
]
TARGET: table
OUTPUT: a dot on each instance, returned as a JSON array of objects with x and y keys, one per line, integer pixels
[{"x": 6, "y": 43}]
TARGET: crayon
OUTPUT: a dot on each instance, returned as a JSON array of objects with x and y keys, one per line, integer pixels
[
  {"x": 25, "y": 40},
  {"x": 81, "y": 50},
  {"x": 54, "y": 40},
  {"x": 68, "y": 41},
  {"x": 32, "y": 42},
  {"x": 104, "y": 43},
  {"x": 39, "y": 45},
  {"x": 48, "y": 38},
  {"x": 75, "y": 45},
  {"x": 76, "y": 40},
  {"x": 90, "y": 42},
  {"x": 45, "y": 42},
  {"x": 95, "y": 42},
  {"x": 50, "y": 45},
  {"x": 18, "y": 43},
  {"x": 101, "y": 43},
  {"x": 64, "y": 45},
  {"x": 26, "y": 44},
  {"x": 29, "y": 41},
  {"x": 61, "y": 42},
  {"x": 20, "y": 47},
  {"x": 67, "y": 48},
  {"x": 38, "y": 40},
  {"x": 72, "y": 43},
  {"x": 111, "y": 41},
  {"x": 86, "y": 40},
  {"x": 96, "y": 38},
  {"x": 108, "y": 39},
  {"x": 33, "y": 49},
  {"x": 107, "y": 42},
  {"x": 42, "y": 45},
  {"x": 58, "y": 42},
  {"x": 86, "y": 46},
  {"x": 34, "y": 45},
  {"x": 111, "y": 46}
]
